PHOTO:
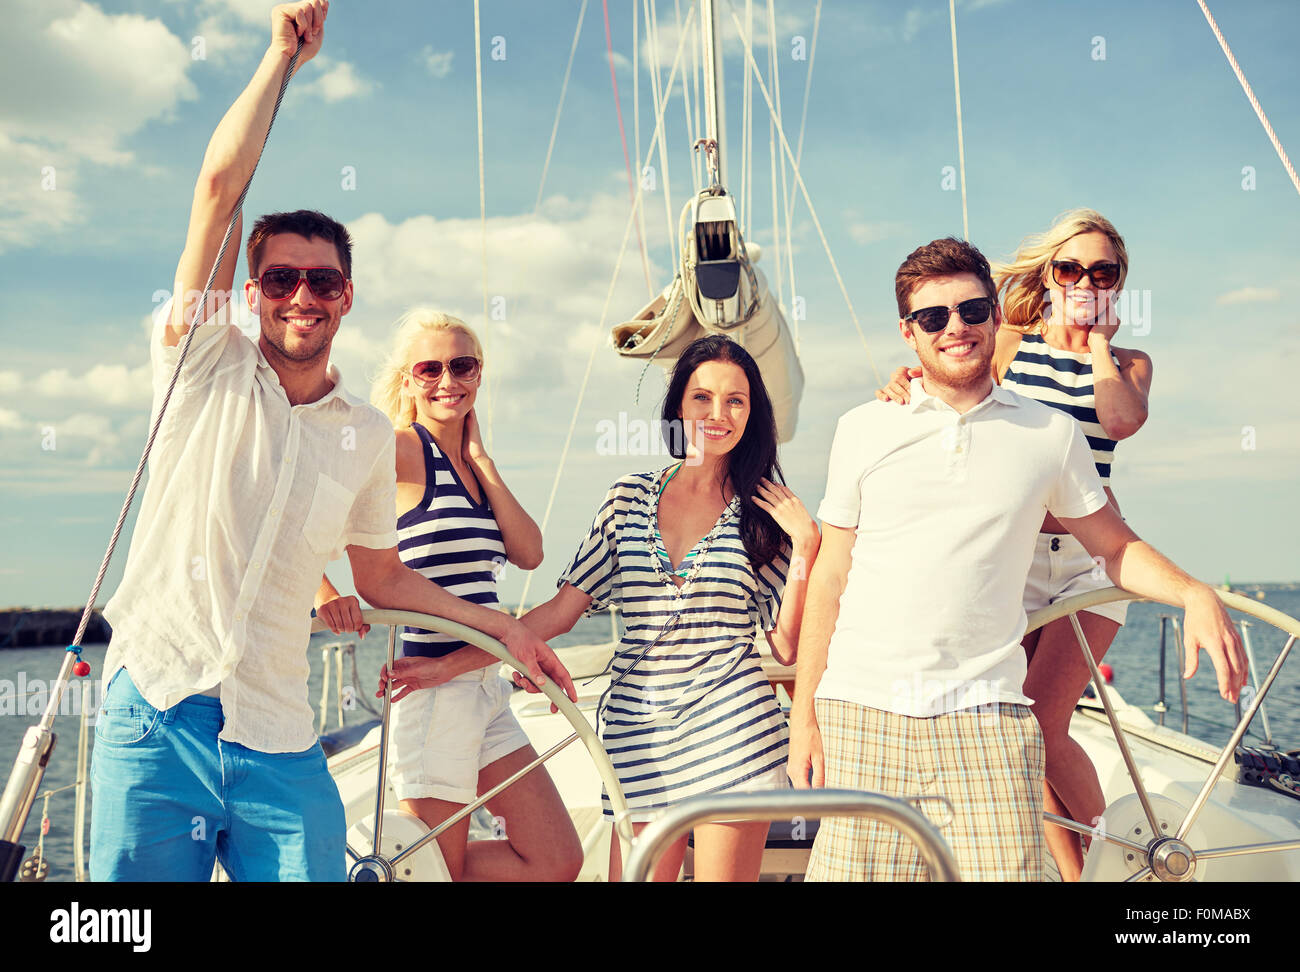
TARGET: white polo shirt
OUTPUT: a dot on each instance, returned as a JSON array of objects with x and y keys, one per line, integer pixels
[
  {"x": 946, "y": 508},
  {"x": 248, "y": 499}
]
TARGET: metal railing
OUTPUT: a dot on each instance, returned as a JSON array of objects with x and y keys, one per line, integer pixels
[{"x": 678, "y": 820}]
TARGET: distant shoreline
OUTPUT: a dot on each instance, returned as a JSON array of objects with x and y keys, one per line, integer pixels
[{"x": 27, "y": 627}]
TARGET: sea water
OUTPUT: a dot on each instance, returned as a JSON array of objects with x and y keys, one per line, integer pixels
[{"x": 1135, "y": 657}]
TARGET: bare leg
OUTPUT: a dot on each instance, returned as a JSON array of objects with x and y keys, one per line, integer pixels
[
  {"x": 1063, "y": 844},
  {"x": 668, "y": 867},
  {"x": 730, "y": 851},
  {"x": 451, "y": 841},
  {"x": 539, "y": 843},
  {"x": 1056, "y": 677}
]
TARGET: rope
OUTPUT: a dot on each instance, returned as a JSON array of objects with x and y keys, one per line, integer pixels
[
  {"x": 772, "y": 121},
  {"x": 622, "y": 134},
  {"x": 652, "y": 27},
  {"x": 812, "y": 211},
  {"x": 482, "y": 212},
  {"x": 48, "y": 719},
  {"x": 577, "y": 32},
  {"x": 961, "y": 145},
  {"x": 798, "y": 155},
  {"x": 785, "y": 182},
  {"x": 609, "y": 294},
  {"x": 1250, "y": 96}
]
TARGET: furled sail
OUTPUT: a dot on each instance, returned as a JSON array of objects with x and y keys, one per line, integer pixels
[{"x": 718, "y": 290}]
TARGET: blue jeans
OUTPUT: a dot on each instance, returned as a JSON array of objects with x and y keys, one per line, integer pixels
[{"x": 170, "y": 798}]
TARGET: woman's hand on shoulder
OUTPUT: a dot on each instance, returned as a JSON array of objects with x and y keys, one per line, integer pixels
[
  {"x": 472, "y": 450},
  {"x": 785, "y": 508},
  {"x": 899, "y": 388}
]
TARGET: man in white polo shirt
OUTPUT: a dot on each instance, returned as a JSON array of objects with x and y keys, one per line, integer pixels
[
  {"x": 264, "y": 469},
  {"x": 910, "y": 663}
]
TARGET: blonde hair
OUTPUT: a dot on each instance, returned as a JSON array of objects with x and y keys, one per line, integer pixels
[
  {"x": 1020, "y": 283},
  {"x": 386, "y": 392}
]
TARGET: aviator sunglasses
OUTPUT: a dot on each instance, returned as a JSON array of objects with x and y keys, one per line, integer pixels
[
  {"x": 1067, "y": 273},
  {"x": 279, "y": 283},
  {"x": 462, "y": 368},
  {"x": 932, "y": 320}
]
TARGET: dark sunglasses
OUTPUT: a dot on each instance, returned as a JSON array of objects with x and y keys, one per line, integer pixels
[
  {"x": 932, "y": 320},
  {"x": 464, "y": 368},
  {"x": 1066, "y": 273},
  {"x": 279, "y": 283}
]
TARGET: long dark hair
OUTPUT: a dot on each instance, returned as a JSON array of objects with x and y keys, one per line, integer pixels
[{"x": 753, "y": 457}]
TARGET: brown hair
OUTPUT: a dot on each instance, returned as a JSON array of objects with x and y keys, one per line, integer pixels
[
  {"x": 940, "y": 258},
  {"x": 304, "y": 222}
]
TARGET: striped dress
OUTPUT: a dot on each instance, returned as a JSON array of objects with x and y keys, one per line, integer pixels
[
  {"x": 689, "y": 709},
  {"x": 1063, "y": 380},
  {"x": 450, "y": 539}
]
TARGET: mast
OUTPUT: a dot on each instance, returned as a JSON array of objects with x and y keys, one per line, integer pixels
[{"x": 715, "y": 111}]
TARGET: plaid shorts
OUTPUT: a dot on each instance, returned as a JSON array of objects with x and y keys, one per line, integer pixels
[{"x": 987, "y": 761}]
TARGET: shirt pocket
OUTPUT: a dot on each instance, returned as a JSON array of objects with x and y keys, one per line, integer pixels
[{"x": 328, "y": 516}]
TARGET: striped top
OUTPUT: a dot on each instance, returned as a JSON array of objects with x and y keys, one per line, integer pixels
[
  {"x": 689, "y": 710},
  {"x": 1063, "y": 380},
  {"x": 450, "y": 539}
]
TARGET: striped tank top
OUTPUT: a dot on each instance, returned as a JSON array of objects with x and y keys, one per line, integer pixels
[
  {"x": 450, "y": 539},
  {"x": 1063, "y": 380}
]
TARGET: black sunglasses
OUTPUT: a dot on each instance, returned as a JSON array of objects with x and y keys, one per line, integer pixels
[
  {"x": 463, "y": 368},
  {"x": 932, "y": 320},
  {"x": 1067, "y": 273},
  {"x": 279, "y": 283}
]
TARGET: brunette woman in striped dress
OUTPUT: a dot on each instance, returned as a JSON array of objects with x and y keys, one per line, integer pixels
[
  {"x": 696, "y": 555},
  {"x": 453, "y": 734},
  {"x": 1058, "y": 304}
]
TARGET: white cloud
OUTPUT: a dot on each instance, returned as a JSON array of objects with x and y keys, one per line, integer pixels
[
  {"x": 338, "y": 81},
  {"x": 222, "y": 42},
  {"x": 787, "y": 25},
  {"x": 438, "y": 63},
  {"x": 249, "y": 11},
  {"x": 1248, "y": 295},
  {"x": 9, "y": 419},
  {"x": 88, "y": 81},
  {"x": 864, "y": 232},
  {"x": 10, "y": 381},
  {"x": 622, "y": 63}
]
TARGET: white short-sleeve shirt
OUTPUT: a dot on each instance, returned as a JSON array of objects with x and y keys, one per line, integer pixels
[
  {"x": 946, "y": 507},
  {"x": 248, "y": 499}
]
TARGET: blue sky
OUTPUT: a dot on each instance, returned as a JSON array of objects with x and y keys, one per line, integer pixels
[{"x": 116, "y": 107}]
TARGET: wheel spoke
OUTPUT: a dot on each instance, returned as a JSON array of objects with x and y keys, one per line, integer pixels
[
  {"x": 1199, "y": 803},
  {"x": 1114, "y": 725},
  {"x": 383, "y": 743},
  {"x": 1093, "y": 832},
  {"x": 351, "y": 853},
  {"x": 1279, "y": 845},
  {"x": 1138, "y": 876}
]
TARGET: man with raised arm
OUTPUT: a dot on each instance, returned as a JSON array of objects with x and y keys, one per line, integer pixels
[
  {"x": 263, "y": 470},
  {"x": 910, "y": 664}
]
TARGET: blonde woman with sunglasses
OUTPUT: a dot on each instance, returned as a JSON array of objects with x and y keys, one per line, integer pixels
[
  {"x": 1058, "y": 297},
  {"x": 458, "y": 524}
]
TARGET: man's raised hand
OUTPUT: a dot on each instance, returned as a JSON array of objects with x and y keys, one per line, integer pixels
[{"x": 305, "y": 19}]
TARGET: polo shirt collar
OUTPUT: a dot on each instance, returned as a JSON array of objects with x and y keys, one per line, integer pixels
[{"x": 922, "y": 400}]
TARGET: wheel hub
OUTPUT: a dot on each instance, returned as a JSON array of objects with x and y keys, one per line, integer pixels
[
  {"x": 371, "y": 870},
  {"x": 1172, "y": 860}
]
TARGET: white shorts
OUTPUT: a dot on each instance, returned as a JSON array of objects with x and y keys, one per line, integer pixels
[
  {"x": 1063, "y": 568},
  {"x": 443, "y": 736}
]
